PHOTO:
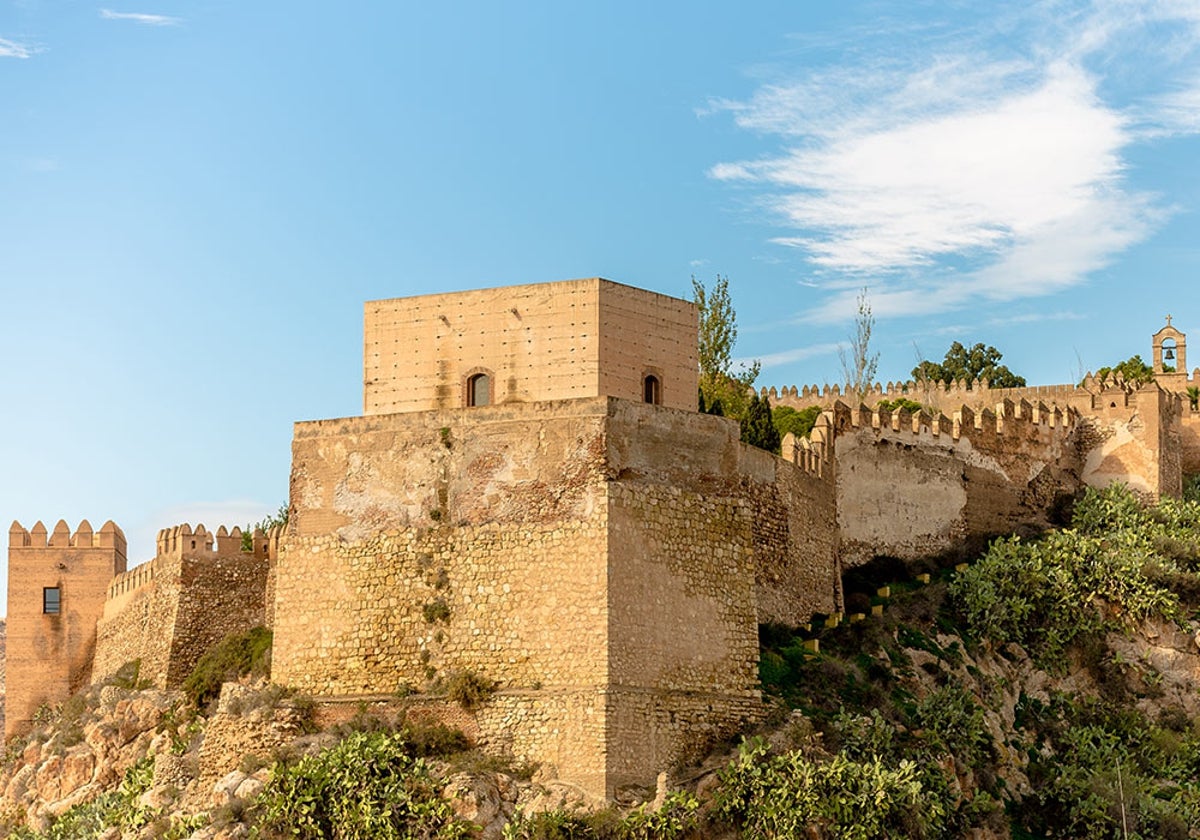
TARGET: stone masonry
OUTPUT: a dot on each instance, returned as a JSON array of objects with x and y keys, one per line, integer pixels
[
  {"x": 56, "y": 591},
  {"x": 532, "y": 499}
]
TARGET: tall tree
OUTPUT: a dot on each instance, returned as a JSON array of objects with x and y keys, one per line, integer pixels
[
  {"x": 860, "y": 364},
  {"x": 968, "y": 364},
  {"x": 757, "y": 428},
  {"x": 720, "y": 384}
]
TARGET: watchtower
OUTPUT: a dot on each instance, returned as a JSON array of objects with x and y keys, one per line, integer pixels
[
  {"x": 572, "y": 339},
  {"x": 56, "y": 589}
]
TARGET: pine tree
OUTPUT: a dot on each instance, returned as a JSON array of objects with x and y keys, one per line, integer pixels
[{"x": 757, "y": 428}]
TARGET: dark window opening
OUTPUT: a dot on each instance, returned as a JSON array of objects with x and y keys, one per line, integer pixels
[
  {"x": 652, "y": 390},
  {"x": 51, "y": 600},
  {"x": 479, "y": 390}
]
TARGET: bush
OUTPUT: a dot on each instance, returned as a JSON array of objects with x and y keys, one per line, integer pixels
[
  {"x": 901, "y": 403},
  {"x": 368, "y": 787},
  {"x": 769, "y": 797},
  {"x": 468, "y": 689},
  {"x": 235, "y": 656},
  {"x": 1045, "y": 595},
  {"x": 88, "y": 820}
]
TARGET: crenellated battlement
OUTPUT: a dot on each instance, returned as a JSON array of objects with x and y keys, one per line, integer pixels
[
  {"x": 183, "y": 540},
  {"x": 813, "y": 454},
  {"x": 1008, "y": 418},
  {"x": 911, "y": 389},
  {"x": 134, "y": 579},
  {"x": 109, "y": 536}
]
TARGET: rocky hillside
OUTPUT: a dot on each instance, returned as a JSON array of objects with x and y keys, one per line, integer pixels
[{"x": 1048, "y": 689}]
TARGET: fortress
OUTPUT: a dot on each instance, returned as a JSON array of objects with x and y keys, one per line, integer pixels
[{"x": 531, "y": 497}]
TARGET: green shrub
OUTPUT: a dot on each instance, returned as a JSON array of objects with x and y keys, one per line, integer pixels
[
  {"x": 120, "y": 808},
  {"x": 1044, "y": 595},
  {"x": 773, "y": 796},
  {"x": 953, "y": 724},
  {"x": 468, "y": 689},
  {"x": 233, "y": 657},
  {"x": 677, "y": 818},
  {"x": 368, "y": 787}
]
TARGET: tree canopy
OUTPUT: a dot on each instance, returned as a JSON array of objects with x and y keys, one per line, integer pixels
[
  {"x": 800, "y": 423},
  {"x": 1133, "y": 370},
  {"x": 757, "y": 428},
  {"x": 723, "y": 390},
  {"x": 968, "y": 364}
]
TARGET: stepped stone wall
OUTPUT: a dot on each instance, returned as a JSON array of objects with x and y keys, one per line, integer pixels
[{"x": 169, "y": 611}]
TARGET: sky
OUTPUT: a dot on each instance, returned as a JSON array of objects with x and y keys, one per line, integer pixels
[{"x": 197, "y": 196}]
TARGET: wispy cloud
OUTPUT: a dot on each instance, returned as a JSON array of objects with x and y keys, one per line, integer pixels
[
  {"x": 796, "y": 354},
  {"x": 141, "y": 17},
  {"x": 13, "y": 49},
  {"x": 1035, "y": 318},
  {"x": 995, "y": 170}
]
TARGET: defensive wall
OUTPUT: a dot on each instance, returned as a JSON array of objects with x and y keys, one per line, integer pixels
[
  {"x": 606, "y": 562},
  {"x": 532, "y": 498},
  {"x": 56, "y": 590},
  {"x": 916, "y": 484},
  {"x": 200, "y": 587}
]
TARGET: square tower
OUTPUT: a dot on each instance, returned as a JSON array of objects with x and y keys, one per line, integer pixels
[
  {"x": 548, "y": 341},
  {"x": 56, "y": 590}
]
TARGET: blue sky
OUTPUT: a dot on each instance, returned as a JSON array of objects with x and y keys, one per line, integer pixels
[{"x": 196, "y": 197}]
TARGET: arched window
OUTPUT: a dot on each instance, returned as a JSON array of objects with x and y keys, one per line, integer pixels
[
  {"x": 652, "y": 390},
  {"x": 479, "y": 389}
]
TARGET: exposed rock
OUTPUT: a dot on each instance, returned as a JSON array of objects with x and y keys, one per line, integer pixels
[{"x": 478, "y": 798}]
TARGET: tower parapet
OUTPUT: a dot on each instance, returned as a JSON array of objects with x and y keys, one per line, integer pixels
[{"x": 57, "y": 584}]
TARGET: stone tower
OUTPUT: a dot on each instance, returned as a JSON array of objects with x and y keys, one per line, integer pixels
[{"x": 56, "y": 591}]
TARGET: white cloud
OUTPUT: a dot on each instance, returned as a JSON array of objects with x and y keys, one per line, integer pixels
[
  {"x": 13, "y": 49},
  {"x": 995, "y": 172},
  {"x": 796, "y": 354},
  {"x": 141, "y": 17}
]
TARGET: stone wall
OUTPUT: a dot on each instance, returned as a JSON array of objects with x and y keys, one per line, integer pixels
[
  {"x": 1189, "y": 440},
  {"x": 599, "y": 558},
  {"x": 49, "y": 655},
  {"x": 168, "y": 612},
  {"x": 914, "y": 485},
  {"x": 1135, "y": 438},
  {"x": 139, "y": 621},
  {"x": 415, "y": 554},
  {"x": 547, "y": 341},
  {"x": 790, "y": 509}
]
